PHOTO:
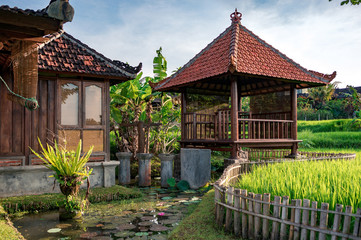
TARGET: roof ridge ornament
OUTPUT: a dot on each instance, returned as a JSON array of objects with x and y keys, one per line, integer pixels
[{"x": 236, "y": 16}]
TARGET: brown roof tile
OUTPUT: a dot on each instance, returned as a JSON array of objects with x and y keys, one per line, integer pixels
[
  {"x": 64, "y": 53},
  {"x": 238, "y": 49}
]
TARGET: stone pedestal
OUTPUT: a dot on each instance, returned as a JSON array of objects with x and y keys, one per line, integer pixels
[
  {"x": 195, "y": 166},
  {"x": 166, "y": 166},
  {"x": 144, "y": 170},
  {"x": 124, "y": 167}
]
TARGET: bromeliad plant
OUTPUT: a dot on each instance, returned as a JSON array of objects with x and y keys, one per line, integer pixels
[{"x": 70, "y": 171}]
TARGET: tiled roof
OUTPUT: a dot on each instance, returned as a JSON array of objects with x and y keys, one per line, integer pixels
[
  {"x": 38, "y": 13},
  {"x": 238, "y": 49},
  {"x": 64, "y": 53}
]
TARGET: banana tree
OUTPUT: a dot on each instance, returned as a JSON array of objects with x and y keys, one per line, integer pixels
[{"x": 130, "y": 103}]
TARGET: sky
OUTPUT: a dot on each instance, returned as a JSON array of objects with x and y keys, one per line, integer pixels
[{"x": 318, "y": 34}]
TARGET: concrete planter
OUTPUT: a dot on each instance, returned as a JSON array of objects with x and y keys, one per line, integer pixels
[
  {"x": 166, "y": 168},
  {"x": 144, "y": 170},
  {"x": 124, "y": 167}
]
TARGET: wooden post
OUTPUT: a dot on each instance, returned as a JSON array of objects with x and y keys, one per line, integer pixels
[
  {"x": 229, "y": 211},
  {"x": 336, "y": 220},
  {"x": 234, "y": 117},
  {"x": 356, "y": 227},
  {"x": 244, "y": 216},
  {"x": 250, "y": 217},
  {"x": 313, "y": 220},
  {"x": 323, "y": 220},
  {"x": 141, "y": 137},
  {"x": 347, "y": 221},
  {"x": 257, "y": 220},
  {"x": 291, "y": 230},
  {"x": 305, "y": 217},
  {"x": 296, "y": 231},
  {"x": 183, "y": 111},
  {"x": 276, "y": 213},
  {"x": 237, "y": 215},
  {"x": 293, "y": 91},
  {"x": 285, "y": 202},
  {"x": 266, "y": 212}
]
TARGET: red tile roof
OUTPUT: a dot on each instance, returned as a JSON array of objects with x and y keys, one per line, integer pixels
[
  {"x": 238, "y": 49},
  {"x": 64, "y": 53}
]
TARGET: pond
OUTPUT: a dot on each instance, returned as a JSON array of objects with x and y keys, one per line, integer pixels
[{"x": 151, "y": 218}]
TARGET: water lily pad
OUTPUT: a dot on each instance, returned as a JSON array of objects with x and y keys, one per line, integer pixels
[
  {"x": 166, "y": 198},
  {"x": 145, "y": 224},
  {"x": 158, "y": 228},
  {"x": 54, "y": 230},
  {"x": 143, "y": 229},
  {"x": 148, "y": 218},
  {"x": 109, "y": 227},
  {"x": 88, "y": 235},
  {"x": 124, "y": 234},
  {"x": 190, "y": 191},
  {"x": 140, "y": 234},
  {"x": 126, "y": 227},
  {"x": 63, "y": 225}
]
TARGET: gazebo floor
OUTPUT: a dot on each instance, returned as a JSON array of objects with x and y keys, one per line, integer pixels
[{"x": 226, "y": 144}]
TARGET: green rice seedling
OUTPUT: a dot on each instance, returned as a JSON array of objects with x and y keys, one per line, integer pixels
[{"x": 322, "y": 181}]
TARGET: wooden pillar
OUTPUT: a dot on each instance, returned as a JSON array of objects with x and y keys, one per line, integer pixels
[
  {"x": 183, "y": 111},
  {"x": 141, "y": 137},
  {"x": 293, "y": 91},
  {"x": 234, "y": 117}
]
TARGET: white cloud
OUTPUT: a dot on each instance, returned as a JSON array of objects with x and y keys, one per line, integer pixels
[{"x": 319, "y": 35}]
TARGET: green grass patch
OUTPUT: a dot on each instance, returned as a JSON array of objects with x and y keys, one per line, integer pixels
[
  {"x": 7, "y": 231},
  {"x": 337, "y": 125},
  {"x": 322, "y": 181},
  {"x": 201, "y": 223},
  {"x": 339, "y": 140},
  {"x": 45, "y": 202}
]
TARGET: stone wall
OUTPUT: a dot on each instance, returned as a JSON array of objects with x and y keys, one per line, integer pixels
[{"x": 27, "y": 180}]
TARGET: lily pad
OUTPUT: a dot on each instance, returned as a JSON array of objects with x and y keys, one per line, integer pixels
[
  {"x": 148, "y": 218},
  {"x": 63, "y": 225},
  {"x": 166, "y": 198},
  {"x": 126, "y": 227},
  {"x": 88, "y": 235},
  {"x": 145, "y": 224},
  {"x": 54, "y": 230},
  {"x": 169, "y": 221},
  {"x": 158, "y": 228},
  {"x": 140, "y": 234},
  {"x": 124, "y": 234}
]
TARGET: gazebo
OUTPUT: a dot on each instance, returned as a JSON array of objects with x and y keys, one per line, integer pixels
[{"x": 235, "y": 65}]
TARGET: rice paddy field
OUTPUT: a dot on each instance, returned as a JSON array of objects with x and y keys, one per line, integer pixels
[{"x": 322, "y": 181}]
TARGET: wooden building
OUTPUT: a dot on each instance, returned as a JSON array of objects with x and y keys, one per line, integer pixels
[
  {"x": 72, "y": 92},
  {"x": 235, "y": 65}
]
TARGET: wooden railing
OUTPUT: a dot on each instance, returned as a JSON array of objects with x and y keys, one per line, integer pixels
[
  {"x": 272, "y": 115},
  {"x": 264, "y": 129},
  {"x": 255, "y": 216},
  {"x": 199, "y": 126}
]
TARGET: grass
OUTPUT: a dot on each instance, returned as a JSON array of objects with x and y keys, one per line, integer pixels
[
  {"x": 7, "y": 231},
  {"x": 339, "y": 140},
  {"x": 201, "y": 223},
  {"x": 337, "y": 125},
  {"x": 44, "y": 202},
  {"x": 323, "y": 181}
]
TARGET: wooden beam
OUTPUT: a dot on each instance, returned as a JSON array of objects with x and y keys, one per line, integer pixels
[
  {"x": 23, "y": 20},
  {"x": 183, "y": 111}
]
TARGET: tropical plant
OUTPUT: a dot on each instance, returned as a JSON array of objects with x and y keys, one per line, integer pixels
[
  {"x": 70, "y": 170},
  {"x": 321, "y": 95},
  {"x": 130, "y": 103}
]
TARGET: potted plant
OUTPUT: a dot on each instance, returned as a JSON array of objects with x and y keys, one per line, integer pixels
[{"x": 70, "y": 171}]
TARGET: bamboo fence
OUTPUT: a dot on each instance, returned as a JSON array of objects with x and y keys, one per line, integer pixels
[{"x": 255, "y": 216}]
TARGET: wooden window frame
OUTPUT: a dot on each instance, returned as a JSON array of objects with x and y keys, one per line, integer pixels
[{"x": 82, "y": 84}]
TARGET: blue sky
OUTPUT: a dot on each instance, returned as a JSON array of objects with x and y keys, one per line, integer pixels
[{"x": 318, "y": 34}]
